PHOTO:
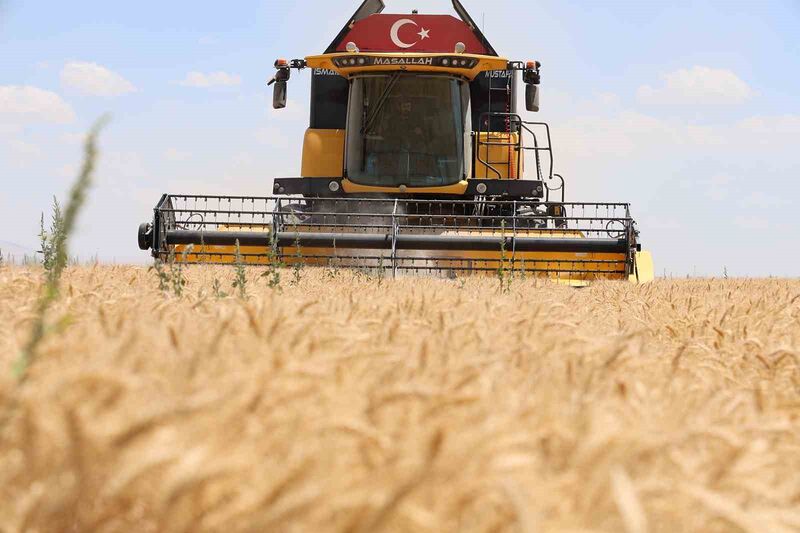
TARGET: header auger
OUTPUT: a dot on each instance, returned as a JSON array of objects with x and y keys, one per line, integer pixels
[{"x": 414, "y": 160}]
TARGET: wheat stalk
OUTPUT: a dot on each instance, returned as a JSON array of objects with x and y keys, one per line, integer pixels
[{"x": 63, "y": 229}]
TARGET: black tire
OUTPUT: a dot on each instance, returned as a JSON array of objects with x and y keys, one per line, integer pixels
[{"x": 145, "y": 236}]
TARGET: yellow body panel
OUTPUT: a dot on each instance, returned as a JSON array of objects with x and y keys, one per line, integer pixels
[
  {"x": 644, "y": 270},
  {"x": 529, "y": 264},
  {"x": 503, "y": 159},
  {"x": 323, "y": 154},
  {"x": 485, "y": 63},
  {"x": 457, "y": 188}
]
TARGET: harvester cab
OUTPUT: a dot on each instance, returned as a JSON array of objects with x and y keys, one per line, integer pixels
[{"x": 415, "y": 159}]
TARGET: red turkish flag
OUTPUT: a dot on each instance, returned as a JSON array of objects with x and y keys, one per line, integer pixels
[{"x": 411, "y": 33}]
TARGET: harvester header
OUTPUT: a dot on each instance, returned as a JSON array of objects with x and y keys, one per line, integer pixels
[{"x": 416, "y": 158}]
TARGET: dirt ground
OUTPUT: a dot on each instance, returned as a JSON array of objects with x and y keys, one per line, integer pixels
[{"x": 346, "y": 402}]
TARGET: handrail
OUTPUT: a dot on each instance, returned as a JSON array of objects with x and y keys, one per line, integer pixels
[{"x": 516, "y": 123}]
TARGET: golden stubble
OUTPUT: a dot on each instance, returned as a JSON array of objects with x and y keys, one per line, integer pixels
[{"x": 348, "y": 404}]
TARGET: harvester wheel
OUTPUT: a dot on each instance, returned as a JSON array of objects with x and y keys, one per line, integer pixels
[{"x": 145, "y": 236}]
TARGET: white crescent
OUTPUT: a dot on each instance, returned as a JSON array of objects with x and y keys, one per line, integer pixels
[{"x": 396, "y": 29}]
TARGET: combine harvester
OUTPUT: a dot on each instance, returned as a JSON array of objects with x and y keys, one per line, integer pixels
[{"x": 413, "y": 161}]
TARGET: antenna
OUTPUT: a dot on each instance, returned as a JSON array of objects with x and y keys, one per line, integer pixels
[{"x": 462, "y": 12}]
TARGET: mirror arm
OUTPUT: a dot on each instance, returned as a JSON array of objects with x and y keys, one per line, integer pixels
[
  {"x": 531, "y": 75},
  {"x": 284, "y": 69}
]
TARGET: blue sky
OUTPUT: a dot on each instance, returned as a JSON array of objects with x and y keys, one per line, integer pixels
[{"x": 687, "y": 109}]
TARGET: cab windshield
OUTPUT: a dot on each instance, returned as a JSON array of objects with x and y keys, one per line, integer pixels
[{"x": 407, "y": 129}]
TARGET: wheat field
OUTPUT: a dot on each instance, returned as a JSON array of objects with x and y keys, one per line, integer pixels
[{"x": 351, "y": 403}]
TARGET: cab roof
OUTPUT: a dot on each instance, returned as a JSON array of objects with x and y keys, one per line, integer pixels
[{"x": 373, "y": 31}]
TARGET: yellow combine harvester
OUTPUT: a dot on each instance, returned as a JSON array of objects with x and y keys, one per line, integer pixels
[{"x": 414, "y": 161}]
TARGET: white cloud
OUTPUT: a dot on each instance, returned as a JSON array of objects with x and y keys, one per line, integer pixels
[
  {"x": 698, "y": 85},
  {"x": 628, "y": 133},
  {"x": 274, "y": 137},
  {"x": 73, "y": 138},
  {"x": 763, "y": 200},
  {"x": 606, "y": 99},
  {"x": 703, "y": 135},
  {"x": 243, "y": 159},
  {"x": 22, "y": 153},
  {"x": 766, "y": 129},
  {"x": 608, "y": 153},
  {"x": 67, "y": 170},
  {"x": 293, "y": 113},
  {"x": 94, "y": 79},
  {"x": 120, "y": 167},
  {"x": 25, "y": 149},
  {"x": 15, "y": 149},
  {"x": 622, "y": 134},
  {"x": 173, "y": 154},
  {"x": 211, "y": 79},
  {"x": 718, "y": 187},
  {"x": 31, "y": 103},
  {"x": 9, "y": 130},
  {"x": 664, "y": 223},
  {"x": 752, "y": 223}
]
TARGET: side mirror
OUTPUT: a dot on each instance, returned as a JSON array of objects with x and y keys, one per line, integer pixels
[
  {"x": 532, "y": 97},
  {"x": 279, "y": 95}
]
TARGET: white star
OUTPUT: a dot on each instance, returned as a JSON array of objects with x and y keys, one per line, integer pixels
[{"x": 424, "y": 34}]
